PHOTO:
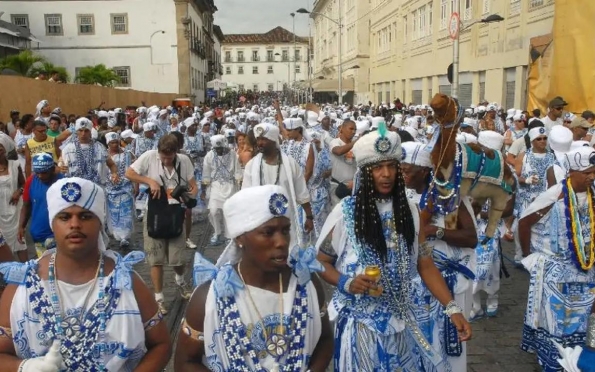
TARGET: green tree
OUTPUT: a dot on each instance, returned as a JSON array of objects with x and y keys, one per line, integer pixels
[
  {"x": 98, "y": 75},
  {"x": 48, "y": 67},
  {"x": 22, "y": 63}
]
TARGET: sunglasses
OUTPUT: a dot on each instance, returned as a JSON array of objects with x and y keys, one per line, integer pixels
[{"x": 540, "y": 139}]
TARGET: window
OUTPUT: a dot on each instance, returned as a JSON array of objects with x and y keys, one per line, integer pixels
[
  {"x": 298, "y": 69},
  {"x": 515, "y": 7},
  {"x": 298, "y": 56},
  {"x": 422, "y": 21},
  {"x": 119, "y": 23},
  {"x": 240, "y": 56},
  {"x": 443, "y": 14},
  {"x": 21, "y": 20},
  {"x": 468, "y": 10},
  {"x": 535, "y": 3},
  {"x": 53, "y": 25},
  {"x": 271, "y": 87},
  {"x": 241, "y": 87},
  {"x": 227, "y": 70},
  {"x": 270, "y": 70},
  {"x": 415, "y": 21},
  {"x": 241, "y": 70},
  {"x": 254, "y": 70},
  {"x": 255, "y": 88},
  {"x": 430, "y": 19},
  {"x": 124, "y": 73},
  {"x": 285, "y": 55},
  {"x": 405, "y": 29},
  {"x": 228, "y": 56},
  {"x": 255, "y": 56},
  {"x": 270, "y": 56},
  {"x": 486, "y": 7},
  {"x": 86, "y": 24}
]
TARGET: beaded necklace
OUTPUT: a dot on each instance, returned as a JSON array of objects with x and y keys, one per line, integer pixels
[
  {"x": 539, "y": 167},
  {"x": 445, "y": 204},
  {"x": 222, "y": 173},
  {"x": 583, "y": 259},
  {"x": 122, "y": 165},
  {"x": 262, "y": 182},
  {"x": 86, "y": 169}
]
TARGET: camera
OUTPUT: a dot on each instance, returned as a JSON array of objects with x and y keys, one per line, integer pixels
[{"x": 182, "y": 194}]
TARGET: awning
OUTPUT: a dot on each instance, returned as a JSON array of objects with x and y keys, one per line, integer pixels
[
  {"x": 332, "y": 85},
  {"x": 216, "y": 84},
  {"x": 9, "y": 32}
]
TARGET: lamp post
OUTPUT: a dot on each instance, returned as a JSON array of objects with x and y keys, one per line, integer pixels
[
  {"x": 151, "y": 42},
  {"x": 492, "y": 18},
  {"x": 339, "y": 23},
  {"x": 288, "y": 71}
]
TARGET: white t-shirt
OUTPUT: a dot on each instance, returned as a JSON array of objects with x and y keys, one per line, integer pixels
[
  {"x": 517, "y": 146},
  {"x": 344, "y": 166},
  {"x": 149, "y": 165},
  {"x": 549, "y": 123}
]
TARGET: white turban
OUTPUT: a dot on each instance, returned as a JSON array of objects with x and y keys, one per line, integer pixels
[
  {"x": 415, "y": 153},
  {"x": 268, "y": 131},
  {"x": 102, "y": 114},
  {"x": 162, "y": 112},
  {"x": 189, "y": 122},
  {"x": 7, "y": 142},
  {"x": 149, "y": 126},
  {"x": 560, "y": 139},
  {"x": 581, "y": 158},
  {"x": 490, "y": 139},
  {"x": 230, "y": 133},
  {"x": 312, "y": 118},
  {"x": 83, "y": 123},
  {"x": 248, "y": 209},
  {"x": 67, "y": 192},
  {"x": 293, "y": 123},
  {"x": 413, "y": 132},
  {"x": 112, "y": 136},
  {"x": 128, "y": 133},
  {"x": 40, "y": 106},
  {"x": 218, "y": 140},
  {"x": 464, "y": 138},
  {"x": 536, "y": 132}
]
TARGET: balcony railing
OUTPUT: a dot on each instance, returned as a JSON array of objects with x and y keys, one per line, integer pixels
[
  {"x": 240, "y": 59},
  {"x": 228, "y": 59},
  {"x": 255, "y": 59}
]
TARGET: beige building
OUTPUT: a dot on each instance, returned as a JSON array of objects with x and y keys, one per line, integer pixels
[
  {"x": 354, "y": 15},
  {"x": 410, "y": 49}
]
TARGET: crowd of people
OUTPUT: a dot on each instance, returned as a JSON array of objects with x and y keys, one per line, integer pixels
[{"x": 299, "y": 196}]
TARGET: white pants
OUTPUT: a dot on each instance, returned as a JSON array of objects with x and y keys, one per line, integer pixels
[{"x": 216, "y": 220}]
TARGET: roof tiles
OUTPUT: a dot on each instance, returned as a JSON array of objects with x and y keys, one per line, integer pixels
[{"x": 275, "y": 36}]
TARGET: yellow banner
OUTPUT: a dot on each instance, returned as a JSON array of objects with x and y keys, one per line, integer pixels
[{"x": 571, "y": 69}]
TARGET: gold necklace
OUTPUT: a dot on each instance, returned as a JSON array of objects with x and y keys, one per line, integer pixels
[{"x": 275, "y": 346}]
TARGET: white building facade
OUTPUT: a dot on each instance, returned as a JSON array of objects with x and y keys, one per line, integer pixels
[
  {"x": 153, "y": 45},
  {"x": 265, "y": 62}
]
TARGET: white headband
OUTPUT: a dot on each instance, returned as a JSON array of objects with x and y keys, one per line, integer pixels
[{"x": 536, "y": 132}]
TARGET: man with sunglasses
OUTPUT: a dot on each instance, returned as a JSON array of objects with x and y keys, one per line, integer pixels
[
  {"x": 554, "y": 115},
  {"x": 35, "y": 206}
]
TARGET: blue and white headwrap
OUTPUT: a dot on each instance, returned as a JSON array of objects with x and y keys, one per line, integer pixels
[{"x": 42, "y": 162}]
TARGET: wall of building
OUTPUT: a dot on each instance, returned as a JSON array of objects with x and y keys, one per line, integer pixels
[
  {"x": 282, "y": 71},
  {"x": 23, "y": 94},
  {"x": 150, "y": 54},
  {"x": 410, "y": 54}
]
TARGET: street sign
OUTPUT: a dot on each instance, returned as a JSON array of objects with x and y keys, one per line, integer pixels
[
  {"x": 454, "y": 24},
  {"x": 211, "y": 93}
]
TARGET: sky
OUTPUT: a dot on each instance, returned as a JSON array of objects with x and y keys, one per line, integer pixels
[{"x": 260, "y": 16}]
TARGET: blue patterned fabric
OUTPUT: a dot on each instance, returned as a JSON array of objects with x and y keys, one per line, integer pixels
[{"x": 120, "y": 200}]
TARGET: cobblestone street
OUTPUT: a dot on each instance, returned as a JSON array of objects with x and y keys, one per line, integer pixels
[{"x": 495, "y": 345}]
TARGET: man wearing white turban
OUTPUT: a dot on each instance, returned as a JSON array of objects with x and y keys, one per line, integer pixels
[
  {"x": 89, "y": 299},
  {"x": 272, "y": 167},
  {"x": 260, "y": 307},
  {"x": 558, "y": 242}
]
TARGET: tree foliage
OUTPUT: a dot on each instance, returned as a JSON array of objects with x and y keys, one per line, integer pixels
[
  {"x": 21, "y": 63},
  {"x": 47, "y": 67},
  {"x": 97, "y": 75}
]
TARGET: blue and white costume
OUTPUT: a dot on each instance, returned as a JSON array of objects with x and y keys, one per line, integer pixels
[{"x": 120, "y": 200}]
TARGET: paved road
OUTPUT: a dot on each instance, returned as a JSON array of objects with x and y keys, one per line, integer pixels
[{"x": 494, "y": 348}]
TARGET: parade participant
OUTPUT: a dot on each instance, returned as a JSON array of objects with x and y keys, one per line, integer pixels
[
  {"x": 222, "y": 176},
  {"x": 164, "y": 168},
  {"x": 54, "y": 126},
  {"x": 557, "y": 238},
  {"x": 42, "y": 142},
  {"x": 560, "y": 142},
  {"x": 343, "y": 164},
  {"x": 140, "y": 120},
  {"x": 320, "y": 184},
  {"x": 35, "y": 204},
  {"x": 531, "y": 170},
  {"x": 368, "y": 247},
  {"x": 12, "y": 182},
  {"x": 120, "y": 196},
  {"x": 86, "y": 158},
  {"x": 23, "y": 134},
  {"x": 454, "y": 255},
  {"x": 93, "y": 310},
  {"x": 43, "y": 111},
  {"x": 272, "y": 167},
  {"x": 128, "y": 140},
  {"x": 147, "y": 141},
  {"x": 260, "y": 308},
  {"x": 554, "y": 113},
  {"x": 517, "y": 130},
  {"x": 580, "y": 128}
]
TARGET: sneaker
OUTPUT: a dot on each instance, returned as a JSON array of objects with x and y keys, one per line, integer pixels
[
  {"x": 162, "y": 308},
  {"x": 214, "y": 239},
  {"x": 190, "y": 244},
  {"x": 492, "y": 312},
  {"x": 476, "y": 314},
  {"x": 185, "y": 290}
]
